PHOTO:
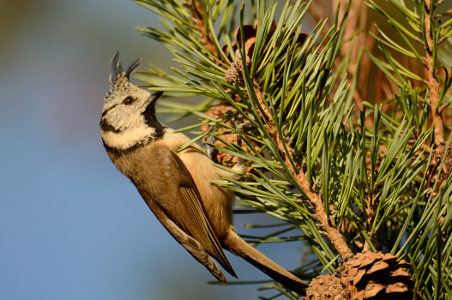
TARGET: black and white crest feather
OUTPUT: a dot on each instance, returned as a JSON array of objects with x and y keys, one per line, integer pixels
[{"x": 118, "y": 70}]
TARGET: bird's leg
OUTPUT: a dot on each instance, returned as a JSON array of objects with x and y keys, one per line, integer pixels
[
  {"x": 210, "y": 140},
  {"x": 239, "y": 168},
  {"x": 210, "y": 150},
  {"x": 239, "y": 126}
]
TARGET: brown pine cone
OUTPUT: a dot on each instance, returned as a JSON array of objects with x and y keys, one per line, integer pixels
[
  {"x": 376, "y": 275},
  {"x": 325, "y": 287}
]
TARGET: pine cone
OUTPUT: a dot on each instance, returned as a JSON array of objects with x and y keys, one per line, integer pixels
[
  {"x": 326, "y": 287},
  {"x": 376, "y": 275}
]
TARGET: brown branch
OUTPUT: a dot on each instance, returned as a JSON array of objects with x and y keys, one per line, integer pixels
[
  {"x": 371, "y": 207},
  {"x": 432, "y": 81},
  {"x": 332, "y": 232},
  {"x": 446, "y": 13},
  {"x": 198, "y": 18}
]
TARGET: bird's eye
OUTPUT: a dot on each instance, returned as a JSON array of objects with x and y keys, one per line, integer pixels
[{"x": 129, "y": 100}]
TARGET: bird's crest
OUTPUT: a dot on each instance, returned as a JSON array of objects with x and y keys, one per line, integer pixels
[
  {"x": 120, "y": 79},
  {"x": 117, "y": 70}
]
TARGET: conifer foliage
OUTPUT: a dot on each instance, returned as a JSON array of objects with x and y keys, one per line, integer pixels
[{"x": 344, "y": 127}]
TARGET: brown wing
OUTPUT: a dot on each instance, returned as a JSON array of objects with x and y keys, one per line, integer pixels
[
  {"x": 172, "y": 188},
  {"x": 191, "y": 245}
]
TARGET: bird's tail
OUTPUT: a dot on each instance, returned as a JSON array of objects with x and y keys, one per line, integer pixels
[{"x": 238, "y": 246}]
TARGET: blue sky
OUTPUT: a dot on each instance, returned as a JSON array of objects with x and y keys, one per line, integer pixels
[{"x": 71, "y": 226}]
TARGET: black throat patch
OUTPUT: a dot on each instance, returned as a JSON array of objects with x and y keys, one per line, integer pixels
[{"x": 151, "y": 120}]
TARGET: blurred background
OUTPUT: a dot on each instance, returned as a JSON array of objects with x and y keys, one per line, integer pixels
[{"x": 71, "y": 226}]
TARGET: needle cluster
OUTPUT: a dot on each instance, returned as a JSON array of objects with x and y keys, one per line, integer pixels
[{"x": 348, "y": 164}]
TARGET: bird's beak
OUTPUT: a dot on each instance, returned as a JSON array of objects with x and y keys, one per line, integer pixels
[{"x": 154, "y": 97}]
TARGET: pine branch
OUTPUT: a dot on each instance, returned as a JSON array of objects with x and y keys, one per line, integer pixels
[
  {"x": 430, "y": 64},
  {"x": 351, "y": 179},
  {"x": 333, "y": 234},
  {"x": 198, "y": 16}
]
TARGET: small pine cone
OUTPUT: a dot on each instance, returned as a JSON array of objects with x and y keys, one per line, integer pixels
[
  {"x": 235, "y": 71},
  {"x": 376, "y": 275},
  {"x": 325, "y": 287}
]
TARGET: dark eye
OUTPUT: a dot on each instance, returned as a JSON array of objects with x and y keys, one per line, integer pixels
[{"x": 129, "y": 100}]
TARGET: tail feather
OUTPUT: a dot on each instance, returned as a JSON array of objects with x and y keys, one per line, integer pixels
[{"x": 239, "y": 247}]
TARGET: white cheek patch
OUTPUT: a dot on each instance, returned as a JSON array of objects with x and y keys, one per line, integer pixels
[{"x": 128, "y": 138}]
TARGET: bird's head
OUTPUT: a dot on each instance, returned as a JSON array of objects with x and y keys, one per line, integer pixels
[{"x": 128, "y": 115}]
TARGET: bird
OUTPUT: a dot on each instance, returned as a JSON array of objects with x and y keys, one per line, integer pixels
[{"x": 177, "y": 185}]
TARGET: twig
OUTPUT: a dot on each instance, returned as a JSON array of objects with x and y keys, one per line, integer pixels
[
  {"x": 432, "y": 81},
  {"x": 332, "y": 232},
  {"x": 198, "y": 18},
  {"x": 371, "y": 206},
  {"x": 446, "y": 13}
]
